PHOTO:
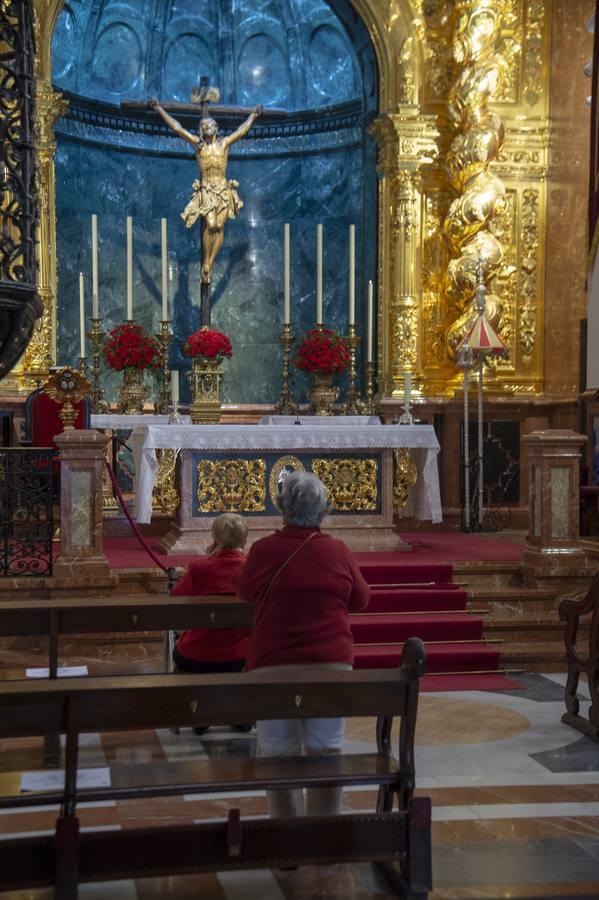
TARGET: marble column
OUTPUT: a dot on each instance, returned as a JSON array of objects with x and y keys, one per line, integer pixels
[
  {"x": 554, "y": 547},
  {"x": 82, "y": 460}
]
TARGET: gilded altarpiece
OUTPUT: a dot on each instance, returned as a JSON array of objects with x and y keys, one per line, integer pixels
[{"x": 413, "y": 44}]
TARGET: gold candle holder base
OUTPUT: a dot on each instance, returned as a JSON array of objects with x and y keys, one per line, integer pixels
[
  {"x": 286, "y": 405},
  {"x": 354, "y": 405},
  {"x": 369, "y": 407},
  {"x": 163, "y": 404},
  {"x": 96, "y": 394}
]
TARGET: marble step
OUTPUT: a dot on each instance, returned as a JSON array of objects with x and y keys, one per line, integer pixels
[{"x": 534, "y": 656}]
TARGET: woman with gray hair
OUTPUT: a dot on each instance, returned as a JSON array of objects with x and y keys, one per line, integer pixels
[{"x": 303, "y": 584}]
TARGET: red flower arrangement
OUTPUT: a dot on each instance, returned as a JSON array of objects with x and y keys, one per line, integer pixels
[
  {"x": 322, "y": 350},
  {"x": 208, "y": 343},
  {"x": 131, "y": 347}
]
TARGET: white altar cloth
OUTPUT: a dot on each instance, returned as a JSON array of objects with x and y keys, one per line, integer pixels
[
  {"x": 424, "y": 501},
  {"x": 118, "y": 420}
]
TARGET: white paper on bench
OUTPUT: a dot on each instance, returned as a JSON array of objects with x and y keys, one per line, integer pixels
[
  {"x": 62, "y": 672},
  {"x": 52, "y": 781}
]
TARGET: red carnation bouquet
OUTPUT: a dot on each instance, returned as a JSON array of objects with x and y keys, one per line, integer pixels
[
  {"x": 322, "y": 350},
  {"x": 208, "y": 343},
  {"x": 131, "y": 347}
]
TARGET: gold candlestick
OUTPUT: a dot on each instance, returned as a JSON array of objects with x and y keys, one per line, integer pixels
[
  {"x": 163, "y": 404},
  {"x": 369, "y": 404},
  {"x": 353, "y": 405},
  {"x": 83, "y": 365},
  {"x": 96, "y": 395},
  {"x": 286, "y": 405}
]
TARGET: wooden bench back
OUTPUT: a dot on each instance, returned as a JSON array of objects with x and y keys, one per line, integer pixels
[
  {"x": 154, "y": 612},
  {"x": 160, "y": 701}
]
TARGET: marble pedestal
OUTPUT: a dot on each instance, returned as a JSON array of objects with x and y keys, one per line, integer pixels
[
  {"x": 554, "y": 547},
  {"x": 82, "y": 461}
]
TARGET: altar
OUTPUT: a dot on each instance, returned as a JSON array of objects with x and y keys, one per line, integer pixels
[{"x": 370, "y": 471}]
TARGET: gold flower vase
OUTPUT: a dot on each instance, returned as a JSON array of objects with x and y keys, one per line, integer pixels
[
  {"x": 322, "y": 394},
  {"x": 133, "y": 392},
  {"x": 205, "y": 379}
]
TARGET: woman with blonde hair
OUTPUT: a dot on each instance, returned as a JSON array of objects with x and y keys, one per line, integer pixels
[{"x": 211, "y": 649}]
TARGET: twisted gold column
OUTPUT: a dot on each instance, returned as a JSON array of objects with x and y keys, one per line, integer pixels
[{"x": 480, "y": 135}]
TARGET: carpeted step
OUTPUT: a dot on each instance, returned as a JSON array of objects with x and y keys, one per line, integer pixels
[
  {"x": 409, "y": 600},
  {"x": 401, "y": 573},
  {"x": 385, "y": 629},
  {"x": 448, "y": 658}
]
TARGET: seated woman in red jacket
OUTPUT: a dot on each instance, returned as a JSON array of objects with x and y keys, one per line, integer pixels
[
  {"x": 303, "y": 583},
  {"x": 213, "y": 649}
]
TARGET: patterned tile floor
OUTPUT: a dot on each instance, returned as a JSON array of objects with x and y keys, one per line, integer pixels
[{"x": 515, "y": 804}]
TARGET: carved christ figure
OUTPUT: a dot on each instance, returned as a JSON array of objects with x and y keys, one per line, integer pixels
[{"x": 215, "y": 198}]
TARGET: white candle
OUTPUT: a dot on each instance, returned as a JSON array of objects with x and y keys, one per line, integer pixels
[
  {"x": 129, "y": 269},
  {"x": 370, "y": 306},
  {"x": 164, "y": 273},
  {"x": 319, "y": 275},
  {"x": 82, "y": 314},
  {"x": 175, "y": 387},
  {"x": 95, "y": 313},
  {"x": 287, "y": 275},
  {"x": 352, "y": 274},
  {"x": 407, "y": 387}
]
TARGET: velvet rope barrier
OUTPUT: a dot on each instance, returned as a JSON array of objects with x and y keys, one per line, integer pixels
[{"x": 170, "y": 571}]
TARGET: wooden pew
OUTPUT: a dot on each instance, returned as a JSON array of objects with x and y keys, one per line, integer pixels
[
  {"x": 571, "y": 612},
  {"x": 59, "y": 618},
  {"x": 398, "y": 840}
]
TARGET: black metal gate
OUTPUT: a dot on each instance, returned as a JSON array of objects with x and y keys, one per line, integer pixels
[{"x": 26, "y": 494}]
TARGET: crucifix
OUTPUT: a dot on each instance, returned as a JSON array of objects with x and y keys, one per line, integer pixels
[{"x": 215, "y": 198}]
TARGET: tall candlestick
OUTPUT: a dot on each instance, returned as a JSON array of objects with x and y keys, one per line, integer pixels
[
  {"x": 82, "y": 314},
  {"x": 129, "y": 269},
  {"x": 319, "y": 274},
  {"x": 287, "y": 275},
  {"x": 95, "y": 304},
  {"x": 370, "y": 306},
  {"x": 175, "y": 387},
  {"x": 164, "y": 273},
  {"x": 352, "y": 274}
]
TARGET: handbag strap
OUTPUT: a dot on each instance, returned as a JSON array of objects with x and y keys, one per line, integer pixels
[{"x": 279, "y": 570}]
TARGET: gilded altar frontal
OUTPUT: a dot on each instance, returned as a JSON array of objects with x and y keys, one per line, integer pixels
[{"x": 459, "y": 140}]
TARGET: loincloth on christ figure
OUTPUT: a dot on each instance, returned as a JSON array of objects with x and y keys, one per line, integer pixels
[{"x": 207, "y": 198}]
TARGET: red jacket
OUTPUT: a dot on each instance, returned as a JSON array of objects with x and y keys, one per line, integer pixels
[
  {"x": 212, "y": 575},
  {"x": 305, "y": 618}
]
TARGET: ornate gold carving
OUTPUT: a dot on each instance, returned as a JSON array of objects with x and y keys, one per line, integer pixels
[
  {"x": 533, "y": 70},
  {"x": 67, "y": 387},
  {"x": 527, "y": 323},
  {"x": 406, "y": 142},
  {"x": 479, "y": 138},
  {"x": 205, "y": 379},
  {"x": 283, "y": 467},
  {"x": 231, "y": 485},
  {"x": 165, "y": 488},
  {"x": 404, "y": 476},
  {"x": 49, "y": 107},
  {"x": 351, "y": 483}
]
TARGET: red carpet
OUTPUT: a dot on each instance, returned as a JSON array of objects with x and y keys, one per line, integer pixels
[
  {"x": 413, "y": 596},
  {"x": 439, "y": 549}
]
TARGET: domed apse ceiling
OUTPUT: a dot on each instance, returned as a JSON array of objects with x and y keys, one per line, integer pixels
[{"x": 295, "y": 54}]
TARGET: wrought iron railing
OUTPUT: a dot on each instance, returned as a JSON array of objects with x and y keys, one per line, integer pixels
[{"x": 26, "y": 498}]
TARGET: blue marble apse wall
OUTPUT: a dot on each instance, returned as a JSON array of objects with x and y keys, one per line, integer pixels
[
  {"x": 247, "y": 280},
  {"x": 292, "y": 53}
]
